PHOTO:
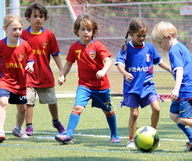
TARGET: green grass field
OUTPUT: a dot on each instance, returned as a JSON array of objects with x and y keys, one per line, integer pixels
[{"x": 91, "y": 139}]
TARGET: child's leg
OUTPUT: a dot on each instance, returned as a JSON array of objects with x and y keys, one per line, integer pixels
[
  {"x": 186, "y": 129},
  {"x": 3, "y": 108},
  {"x": 20, "y": 115},
  {"x": 29, "y": 114},
  {"x": 54, "y": 111},
  {"x": 55, "y": 121},
  {"x": 72, "y": 124},
  {"x": 111, "y": 119},
  {"x": 134, "y": 112},
  {"x": 74, "y": 119},
  {"x": 155, "y": 113},
  {"x": 31, "y": 96}
]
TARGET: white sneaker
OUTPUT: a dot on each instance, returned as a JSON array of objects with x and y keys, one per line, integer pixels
[{"x": 131, "y": 144}]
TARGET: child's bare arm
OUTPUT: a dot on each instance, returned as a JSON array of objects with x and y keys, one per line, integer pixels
[
  {"x": 58, "y": 62},
  {"x": 107, "y": 65},
  {"x": 64, "y": 71},
  {"x": 128, "y": 76},
  {"x": 178, "y": 81},
  {"x": 164, "y": 66}
]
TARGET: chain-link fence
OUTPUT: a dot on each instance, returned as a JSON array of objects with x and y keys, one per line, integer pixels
[{"x": 113, "y": 20}]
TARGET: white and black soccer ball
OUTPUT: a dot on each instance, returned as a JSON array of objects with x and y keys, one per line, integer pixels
[{"x": 146, "y": 139}]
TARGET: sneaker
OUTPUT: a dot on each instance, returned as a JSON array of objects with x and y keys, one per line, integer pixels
[
  {"x": 63, "y": 137},
  {"x": 2, "y": 136},
  {"x": 16, "y": 132},
  {"x": 189, "y": 147},
  {"x": 131, "y": 144},
  {"x": 29, "y": 130},
  {"x": 115, "y": 139},
  {"x": 60, "y": 128}
]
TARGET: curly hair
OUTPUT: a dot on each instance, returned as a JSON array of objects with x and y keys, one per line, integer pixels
[{"x": 36, "y": 6}]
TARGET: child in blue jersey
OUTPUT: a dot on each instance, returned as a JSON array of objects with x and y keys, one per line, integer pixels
[
  {"x": 165, "y": 34},
  {"x": 135, "y": 61}
]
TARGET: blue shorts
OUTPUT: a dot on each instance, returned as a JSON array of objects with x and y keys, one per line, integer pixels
[
  {"x": 13, "y": 98},
  {"x": 100, "y": 99},
  {"x": 182, "y": 108},
  {"x": 134, "y": 100}
]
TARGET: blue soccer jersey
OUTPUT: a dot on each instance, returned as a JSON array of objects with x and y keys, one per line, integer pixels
[
  {"x": 139, "y": 62},
  {"x": 180, "y": 57}
]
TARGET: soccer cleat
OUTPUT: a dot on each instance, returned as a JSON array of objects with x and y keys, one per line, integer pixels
[
  {"x": 60, "y": 128},
  {"x": 16, "y": 132},
  {"x": 131, "y": 144},
  {"x": 2, "y": 136},
  {"x": 189, "y": 147},
  {"x": 29, "y": 130},
  {"x": 115, "y": 139},
  {"x": 63, "y": 137}
]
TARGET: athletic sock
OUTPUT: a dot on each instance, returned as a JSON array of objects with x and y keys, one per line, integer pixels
[
  {"x": 73, "y": 121},
  {"x": 112, "y": 123},
  {"x": 55, "y": 120},
  {"x": 187, "y": 130},
  {"x": 30, "y": 124}
]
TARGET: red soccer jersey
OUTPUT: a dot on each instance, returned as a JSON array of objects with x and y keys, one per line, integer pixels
[
  {"x": 89, "y": 60},
  {"x": 43, "y": 46},
  {"x": 13, "y": 61}
]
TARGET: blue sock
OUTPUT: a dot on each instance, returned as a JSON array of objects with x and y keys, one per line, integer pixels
[
  {"x": 73, "y": 121},
  {"x": 187, "y": 130},
  {"x": 112, "y": 124}
]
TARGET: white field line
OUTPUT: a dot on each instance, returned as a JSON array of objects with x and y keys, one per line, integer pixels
[{"x": 87, "y": 135}]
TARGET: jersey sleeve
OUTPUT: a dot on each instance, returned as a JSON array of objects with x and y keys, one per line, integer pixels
[
  {"x": 103, "y": 51},
  {"x": 53, "y": 45},
  {"x": 71, "y": 54},
  {"x": 156, "y": 57},
  {"x": 175, "y": 59},
  {"x": 121, "y": 57}
]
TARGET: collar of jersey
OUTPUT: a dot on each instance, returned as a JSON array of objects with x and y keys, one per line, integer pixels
[
  {"x": 130, "y": 42},
  {"x": 5, "y": 41},
  {"x": 29, "y": 30},
  {"x": 85, "y": 44}
]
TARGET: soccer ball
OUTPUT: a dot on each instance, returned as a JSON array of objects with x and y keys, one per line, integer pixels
[{"x": 146, "y": 139}]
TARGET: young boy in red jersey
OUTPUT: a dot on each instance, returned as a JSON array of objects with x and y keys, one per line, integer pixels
[
  {"x": 93, "y": 60},
  {"x": 15, "y": 59},
  {"x": 41, "y": 82}
]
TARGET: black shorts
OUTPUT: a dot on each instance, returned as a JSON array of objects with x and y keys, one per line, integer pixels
[{"x": 13, "y": 98}]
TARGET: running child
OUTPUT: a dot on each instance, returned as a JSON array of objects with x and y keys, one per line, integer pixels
[
  {"x": 135, "y": 61},
  {"x": 41, "y": 81},
  {"x": 165, "y": 34},
  {"x": 15, "y": 60},
  {"x": 93, "y": 60}
]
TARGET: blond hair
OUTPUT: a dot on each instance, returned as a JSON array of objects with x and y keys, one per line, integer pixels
[
  {"x": 10, "y": 18},
  {"x": 163, "y": 29}
]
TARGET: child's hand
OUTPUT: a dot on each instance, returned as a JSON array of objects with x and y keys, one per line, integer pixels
[
  {"x": 129, "y": 77},
  {"x": 174, "y": 95},
  {"x": 29, "y": 67},
  {"x": 100, "y": 74},
  {"x": 61, "y": 80}
]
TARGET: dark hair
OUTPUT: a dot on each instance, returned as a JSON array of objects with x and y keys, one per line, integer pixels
[
  {"x": 36, "y": 6},
  {"x": 88, "y": 22},
  {"x": 136, "y": 25}
]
